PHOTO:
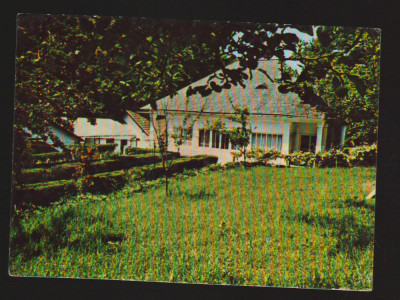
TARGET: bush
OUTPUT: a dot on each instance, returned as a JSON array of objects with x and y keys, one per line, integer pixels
[
  {"x": 51, "y": 157},
  {"x": 103, "y": 148},
  {"x": 332, "y": 158},
  {"x": 299, "y": 158},
  {"x": 134, "y": 150},
  {"x": 363, "y": 155},
  {"x": 59, "y": 172},
  {"x": 177, "y": 166},
  {"x": 264, "y": 157},
  {"x": 67, "y": 170},
  {"x": 349, "y": 157},
  {"x": 43, "y": 193}
]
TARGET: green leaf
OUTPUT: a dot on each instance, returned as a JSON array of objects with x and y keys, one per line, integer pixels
[
  {"x": 335, "y": 82},
  {"x": 341, "y": 91},
  {"x": 359, "y": 84},
  {"x": 283, "y": 89},
  {"x": 323, "y": 37}
]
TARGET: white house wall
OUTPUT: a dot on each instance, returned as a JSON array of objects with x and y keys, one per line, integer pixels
[
  {"x": 110, "y": 129},
  {"x": 259, "y": 124}
]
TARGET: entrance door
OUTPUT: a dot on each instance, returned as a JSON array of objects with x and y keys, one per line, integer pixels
[
  {"x": 123, "y": 144},
  {"x": 307, "y": 143}
]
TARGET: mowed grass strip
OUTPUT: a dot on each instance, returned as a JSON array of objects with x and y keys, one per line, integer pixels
[{"x": 295, "y": 227}]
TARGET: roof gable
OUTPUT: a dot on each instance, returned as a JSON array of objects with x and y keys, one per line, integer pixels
[{"x": 141, "y": 121}]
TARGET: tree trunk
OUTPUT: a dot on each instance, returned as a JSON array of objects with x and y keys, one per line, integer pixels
[{"x": 166, "y": 173}]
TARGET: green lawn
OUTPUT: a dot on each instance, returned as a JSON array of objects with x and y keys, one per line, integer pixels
[{"x": 288, "y": 227}]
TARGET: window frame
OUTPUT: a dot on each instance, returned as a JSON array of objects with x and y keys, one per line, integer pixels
[{"x": 204, "y": 138}]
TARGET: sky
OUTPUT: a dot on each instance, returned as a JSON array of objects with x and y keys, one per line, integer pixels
[{"x": 302, "y": 36}]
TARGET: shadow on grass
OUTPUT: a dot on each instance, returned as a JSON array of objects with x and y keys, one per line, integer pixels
[
  {"x": 54, "y": 232},
  {"x": 349, "y": 233},
  {"x": 354, "y": 202}
]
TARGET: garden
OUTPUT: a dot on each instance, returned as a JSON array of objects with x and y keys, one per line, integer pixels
[{"x": 246, "y": 224}]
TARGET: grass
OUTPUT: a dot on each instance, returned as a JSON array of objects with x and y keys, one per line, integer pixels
[{"x": 295, "y": 227}]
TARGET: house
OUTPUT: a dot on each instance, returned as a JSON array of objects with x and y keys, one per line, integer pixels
[
  {"x": 132, "y": 131},
  {"x": 64, "y": 135},
  {"x": 278, "y": 121}
]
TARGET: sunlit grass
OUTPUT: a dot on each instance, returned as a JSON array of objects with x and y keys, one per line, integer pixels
[{"x": 295, "y": 227}]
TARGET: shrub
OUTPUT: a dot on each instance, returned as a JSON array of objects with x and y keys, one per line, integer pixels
[
  {"x": 108, "y": 182},
  {"x": 332, "y": 158},
  {"x": 103, "y": 148},
  {"x": 59, "y": 172},
  {"x": 300, "y": 158},
  {"x": 363, "y": 155},
  {"x": 43, "y": 193},
  {"x": 67, "y": 170},
  {"x": 134, "y": 150},
  {"x": 262, "y": 156},
  {"x": 178, "y": 165},
  {"x": 51, "y": 157}
]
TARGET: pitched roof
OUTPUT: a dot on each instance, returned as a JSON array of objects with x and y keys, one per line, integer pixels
[
  {"x": 260, "y": 96},
  {"x": 66, "y": 131},
  {"x": 140, "y": 120}
]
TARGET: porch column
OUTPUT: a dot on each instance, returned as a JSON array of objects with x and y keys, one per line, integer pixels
[
  {"x": 153, "y": 122},
  {"x": 320, "y": 131},
  {"x": 286, "y": 137},
  {"x": 342, "y": 136}
]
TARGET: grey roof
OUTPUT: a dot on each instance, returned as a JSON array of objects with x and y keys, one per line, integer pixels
[
  {"x": 263, "y": 101},
  {"x": 141, "y": 121}
]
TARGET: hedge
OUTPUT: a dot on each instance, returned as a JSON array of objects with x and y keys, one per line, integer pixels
[
  {"x": 178, "y": 165},
  {"x": 134, "y": 150},
  {"x": 58, "y": 172},
  {"x": 102, "y": 148},
  {"x": 49, "y": 157},
  {"x": 66, "y": 170},
  {"x": 45, "y": 193},
  {"x": 349, "y": 157}
]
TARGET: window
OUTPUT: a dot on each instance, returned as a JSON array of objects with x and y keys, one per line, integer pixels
[
  {"x": 92, "y": 140},
  {"x": 258, "y": 140},
  {"x": 307, "y": 143},
  {"x": 266, "y": 141},
  {"x": 204, "y": 138},
  {"x": 189, "y": 137},
  {"x": 219, "y": 140},
  {"x": 215, "y": 139},
  {"x": 109, "y": 141},
  {"x": 224, "y": 141}
]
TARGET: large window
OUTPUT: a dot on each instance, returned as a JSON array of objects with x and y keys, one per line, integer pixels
[
  {"x": 215, "y": 139},
  {"x": 219, "y": 140},
  {"x": 92, "y": 140},
  {"x": 266, "y": 141},
  {"x": 204, "y": 138},
  {"x": 224, "y": 141}
]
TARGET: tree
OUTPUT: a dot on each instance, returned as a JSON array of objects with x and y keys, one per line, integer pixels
[
  {"x": 74, "y": 66},
  {"x": 71, "y": 66},
  {"x": 238, "y": 136},
  {"x": 342, "y": 66}
]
